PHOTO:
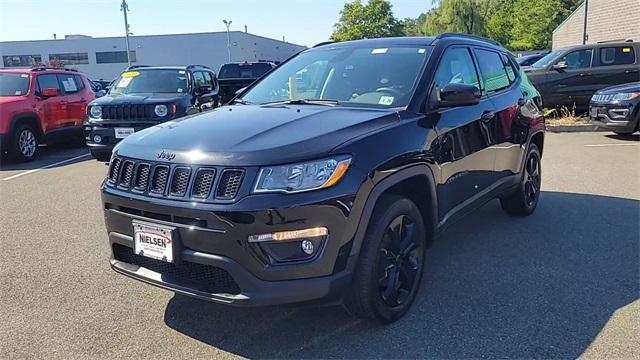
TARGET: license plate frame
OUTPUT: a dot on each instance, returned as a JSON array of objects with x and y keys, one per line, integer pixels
[
  {"x": 154, "y": 241},
  {"x": 121, "y": 133}
]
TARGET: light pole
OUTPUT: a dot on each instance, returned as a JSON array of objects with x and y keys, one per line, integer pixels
[
  {"x": 227, "y": 24},
  {"x": 124, "y": 8}
]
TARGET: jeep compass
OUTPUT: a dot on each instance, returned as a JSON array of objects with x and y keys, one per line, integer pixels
[{"x": 326, "y": 180}]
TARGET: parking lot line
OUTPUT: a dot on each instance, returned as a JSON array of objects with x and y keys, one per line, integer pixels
[
  {"x": 605, "y": 145},
  {"x": 44, "y": 167}
]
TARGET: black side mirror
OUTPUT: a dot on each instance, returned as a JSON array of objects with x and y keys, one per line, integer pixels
[
  {"x": 203, "y": 89},
  {"x": 561, "y": 65},
  {"x": 459, "y": 95}
]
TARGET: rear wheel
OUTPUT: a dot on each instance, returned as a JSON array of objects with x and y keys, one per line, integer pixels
[
  {"x": 524, "y": 200},
  {"x": 389, "y": 270},
  {"x": 24, "y": 144},
  {"x": 101, "y": 155}
]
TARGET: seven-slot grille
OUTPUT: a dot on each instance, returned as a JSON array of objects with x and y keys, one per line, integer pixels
[
  {"x": 128, "y": 112},
  {"x": 602, "y": 97},
  {"x": 175, "y": 180}
]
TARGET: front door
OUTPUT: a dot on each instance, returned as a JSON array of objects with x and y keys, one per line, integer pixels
[
  {"x": 463, "y": 150},
  {"x": 53, "y": 109},
  {"x": 572, "y": 85}
]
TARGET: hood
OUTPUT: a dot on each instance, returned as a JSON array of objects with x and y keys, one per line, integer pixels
[
  {"x": 248, "y": 135},
  {"x": 141, "y": 98},
  {"x": 624, "y": 88},
  {"x": 5, "y": 100}
]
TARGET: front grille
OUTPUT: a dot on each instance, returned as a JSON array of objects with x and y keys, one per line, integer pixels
[
  {"x": 602, "y": 97},
  {"x": 190, "y": 182},
  {"x": 114, "y": 170},
  {"x": 159, "y": 179},
  {"x": 205, "y": 278},
  {"x": 180, "y": 181},
  {"x": 203, "y": 182},
  {"x": 127, "y": 112},
  {"x": 229, "y": 184}
]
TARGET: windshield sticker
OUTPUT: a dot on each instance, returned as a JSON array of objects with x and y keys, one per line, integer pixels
[
  {"x": 421, "y": 51},
  {"x": 130, "y": 74},
  {"x": 179, "y": 90},
  {"x": 18, "y": 92},
  {"x": 124, "y": 82},
  {"x": 379, "y": 51},
  {"x": 24, "y": 75},
  {"x": 181, "y": 72},
  {"x": 386, "y": 100},
  {"x": 69, "y": 85}
]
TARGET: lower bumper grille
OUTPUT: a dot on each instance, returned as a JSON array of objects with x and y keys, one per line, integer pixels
[{"x": 205, "y": 278}]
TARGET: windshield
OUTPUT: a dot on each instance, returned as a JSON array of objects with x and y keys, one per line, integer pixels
[
  {"x": 547, "y": 59},
  {"x": 151, "y": 81},
  {"x": 241, "y": 71},
  {"x": 372, "y": 77},
  {"x": 14, "y": 84}
]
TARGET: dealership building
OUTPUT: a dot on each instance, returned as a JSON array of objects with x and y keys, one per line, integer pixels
[{"x": 106, "y": 57}]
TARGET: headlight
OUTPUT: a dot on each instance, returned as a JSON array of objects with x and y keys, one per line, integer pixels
[
  {"x": 96, "y": 112},
  {"x": 625, "y": 96},
  {"x": 161, "y": 110},
  {"x": 300, "y": 177}
]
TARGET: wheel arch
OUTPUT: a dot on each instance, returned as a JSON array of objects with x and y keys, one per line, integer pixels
[
  {"x": 416, "y": 183},
  {"x": 538, "y": 139},
  {"x": 29, "y": 118}
]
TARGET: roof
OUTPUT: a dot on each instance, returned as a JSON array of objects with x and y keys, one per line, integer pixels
[
  {"x": 414, "y": 40},
  {"x": 597, "y": 45},
  {"x": 26, "y": 70}
]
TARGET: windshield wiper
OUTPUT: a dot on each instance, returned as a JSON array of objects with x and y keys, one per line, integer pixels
[
  {"x": 326, "y": 102},
  {"x": 241, "y": 101}
]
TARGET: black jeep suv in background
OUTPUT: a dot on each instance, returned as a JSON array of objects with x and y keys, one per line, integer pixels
[
  {"x": 617, "y": 108},
  {"x": 144, "y": 96},
  {"x": 236, "y": 76},
  {"x": 568, "y": 77},
  {"x": 327, "y": 179}
]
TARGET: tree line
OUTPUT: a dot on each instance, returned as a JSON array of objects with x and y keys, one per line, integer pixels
[{"x": 517, "y": 24}]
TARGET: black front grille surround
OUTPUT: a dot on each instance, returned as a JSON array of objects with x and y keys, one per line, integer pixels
[
  {"x": 176, "y": 181},
  {"x": 205, "y": 278},
  {"x": 128, "y": 112}
]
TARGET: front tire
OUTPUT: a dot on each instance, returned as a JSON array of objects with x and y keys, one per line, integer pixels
[
  {"x": 389, "y": 270},
  {"x": 24, "y": 144},
  {"x": 524, "y": 200}
]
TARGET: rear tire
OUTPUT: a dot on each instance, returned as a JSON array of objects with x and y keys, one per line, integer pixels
[
  {"x": 101, "y": 155},
  {"x": 524, "y": 200},
  {"x": 389, "y": 270},
  {"x": 23, "y": 146}
]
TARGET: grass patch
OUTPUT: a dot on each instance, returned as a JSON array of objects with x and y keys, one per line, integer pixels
[{"x": 565, "y": 117}]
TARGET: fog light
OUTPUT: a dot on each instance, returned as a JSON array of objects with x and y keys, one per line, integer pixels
[
  {"x": 307, "y": 247},
  {"x": 97, "y": 138}
]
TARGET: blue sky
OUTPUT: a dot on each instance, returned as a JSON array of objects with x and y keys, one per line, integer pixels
[{"x": 304, "y": 22}]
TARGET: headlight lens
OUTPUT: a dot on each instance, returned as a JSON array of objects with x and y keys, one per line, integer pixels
[
  {"x": 300, "y": 177},
  {"x": 625, "y": 96},
  {"x": 96, "y": 112},
  {"x": 161, "y": 110}
]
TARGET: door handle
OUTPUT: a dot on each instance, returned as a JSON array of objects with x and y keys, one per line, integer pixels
[{"x": 487, "y": 115}]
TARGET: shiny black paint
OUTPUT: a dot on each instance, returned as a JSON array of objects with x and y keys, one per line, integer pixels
[
  {"x": 607, "y": 113},
  {"x": 461, "y": 157}
]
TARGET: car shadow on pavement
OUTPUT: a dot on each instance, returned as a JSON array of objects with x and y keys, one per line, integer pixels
[
  {"x": 630, "y": 137},
  {"x": 494, "y": 286},
  {"x": 48, "y": 155}
]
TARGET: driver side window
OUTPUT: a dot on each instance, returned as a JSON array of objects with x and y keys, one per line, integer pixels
[
  {"x": 456, "y": 67},
  {"x": 578, "y": 59}
]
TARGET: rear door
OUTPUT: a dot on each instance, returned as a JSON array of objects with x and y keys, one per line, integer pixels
[
  {"x": 573, "y": 84},
  {"x": 53, "y": 109},
  {"x": 615, "y": 65},
  {"x": 464, "y": 153}
]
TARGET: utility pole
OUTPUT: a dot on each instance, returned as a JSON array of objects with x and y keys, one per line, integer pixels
[
  {"x": 584, "y": 30},
  {"x": 227, "y": 24},
  {"x": 124, "y": 8}
]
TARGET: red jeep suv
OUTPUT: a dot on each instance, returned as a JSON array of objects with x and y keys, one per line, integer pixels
[{"x": 40, "y": 103}]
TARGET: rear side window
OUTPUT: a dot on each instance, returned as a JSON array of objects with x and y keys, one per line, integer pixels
[
  {"x": 208, "y": 78},
  {"x": 509, "y": 67},
  {"x": 456, "y": 67},
  {"x": 68, "y": 83},
  {"x": 618, "y": 55},
  {"x": 492, "y": 70},
  {"x": 578, "y": 59},
  {"x": 79, "y": 82},
  {"x": 48, "y": 81},
  {"x": 198, "y": 79}
]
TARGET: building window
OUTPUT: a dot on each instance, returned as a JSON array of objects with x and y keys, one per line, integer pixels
[
  {"x": 111, "y": 57},
  {"x": 21, "y": 60},
  {"x": 622, "y": 55},
  {"x": 70, "y": 58}
]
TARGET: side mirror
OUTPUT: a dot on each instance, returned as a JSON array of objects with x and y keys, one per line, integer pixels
[
  {"x": 49, "y": 92},
  {"x": 560, "y": 65},
  {"x": 101, "y": 93},
  {"x": 459, "y": 95},
  {"x": 203, "y": 89},
  {"x": 239, "y": 91}
]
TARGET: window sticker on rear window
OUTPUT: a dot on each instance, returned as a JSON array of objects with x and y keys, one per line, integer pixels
[
  {"x": 181, "y": 72},
  {"x": 18, "y": 92},
  {"x": 69, "y": 85},
  {"x": 130, "y": 74},
  {"x": 24, "y": 75},
  {"x": 124, "y": 82},
  {"x": 179, "y": 90},
  {"x": 379, "y": 51}
]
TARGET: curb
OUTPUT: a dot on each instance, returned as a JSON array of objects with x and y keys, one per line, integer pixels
[{"x": 574, "y": 128}]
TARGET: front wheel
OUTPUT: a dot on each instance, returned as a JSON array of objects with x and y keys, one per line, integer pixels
[
  {"x": 24, "y": 144},
  {"x": 389, "y": 270},
  {"x": 524, "y": 200}
]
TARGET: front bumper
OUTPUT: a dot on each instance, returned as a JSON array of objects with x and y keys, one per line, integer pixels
[
  {"x": 106, "y": 131},
  {"x": 218, "y": 242},
  {"x": 616, "y": 117}
]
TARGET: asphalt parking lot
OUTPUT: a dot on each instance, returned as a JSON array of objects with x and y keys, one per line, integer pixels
[{"x": 560, "y": 284}]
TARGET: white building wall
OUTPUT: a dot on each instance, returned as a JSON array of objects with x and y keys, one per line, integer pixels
[{"x": 208, "y": 49}]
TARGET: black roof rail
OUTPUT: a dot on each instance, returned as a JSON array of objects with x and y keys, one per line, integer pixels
[
  {"x": 197, "y": 66},
  {"x": 136, "y": 67},
  {"x": 323, "y": 43},
  {"x": 467, "y": 36},
  {"x": 43, "y": 68},
  {"x": 614, "y": 41}
]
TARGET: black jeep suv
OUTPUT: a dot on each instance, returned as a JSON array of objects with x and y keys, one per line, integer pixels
[
  {"x": 327, "y": 179},
  {"x": 144, "y": 96}
]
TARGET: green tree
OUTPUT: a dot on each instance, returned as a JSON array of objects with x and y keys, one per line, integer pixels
[{"x": 373, "y": 20}]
